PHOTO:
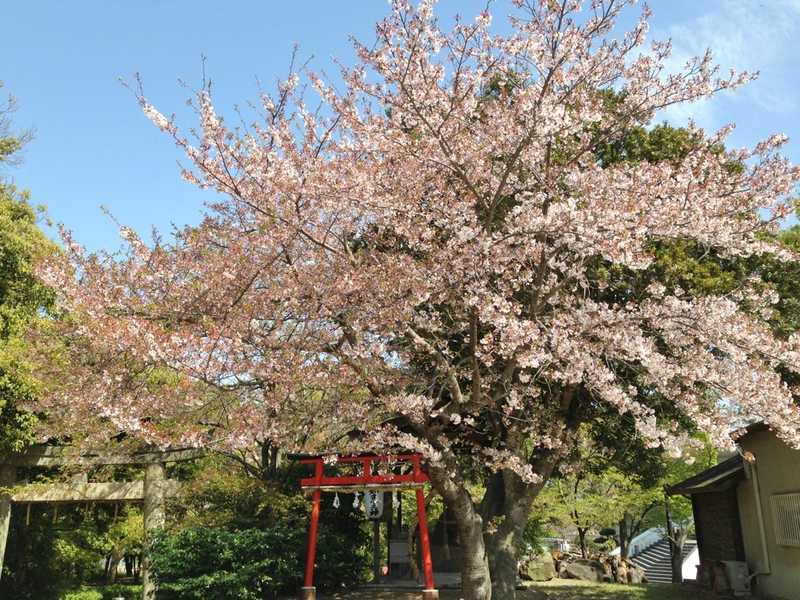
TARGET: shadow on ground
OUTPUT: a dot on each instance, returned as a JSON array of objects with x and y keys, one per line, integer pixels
[
  {"x": 443, "y": 595},
  {"x": 556, "y": 590}
]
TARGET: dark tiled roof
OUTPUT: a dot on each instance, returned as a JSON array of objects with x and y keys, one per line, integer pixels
[{"x": 711, "y": 479}]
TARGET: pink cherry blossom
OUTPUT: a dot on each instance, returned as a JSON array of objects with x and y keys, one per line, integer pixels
[{"x": 414, "y": 261}]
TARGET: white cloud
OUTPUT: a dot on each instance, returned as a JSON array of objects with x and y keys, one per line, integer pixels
[{"x": 751, "y": 35}]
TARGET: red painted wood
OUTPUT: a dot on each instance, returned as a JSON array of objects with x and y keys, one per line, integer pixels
[
  {"x": 424, "y": 541},
  {"x": 312, "y": 539},
  {"x": 375, "y": 457},
  {"x": 312, "y": 531},
  {"x": 351, "y": 480},
  {"x": 367, "y": 476}
]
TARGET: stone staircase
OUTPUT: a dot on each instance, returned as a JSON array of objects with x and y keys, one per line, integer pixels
[{"x": 655, "y": 560}]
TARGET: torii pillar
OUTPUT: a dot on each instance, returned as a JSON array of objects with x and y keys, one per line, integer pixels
[
  {"x": 8, "y": 476},
  {"x": 153, "y": 513}
]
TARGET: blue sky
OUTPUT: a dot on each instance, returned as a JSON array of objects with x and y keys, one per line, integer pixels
[{"x": 94, "y": 147}]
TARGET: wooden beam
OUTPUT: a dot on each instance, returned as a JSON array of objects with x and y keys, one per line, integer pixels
[
  {"x": 112, "y": 491},
  {"x": 56, "y": 456}
]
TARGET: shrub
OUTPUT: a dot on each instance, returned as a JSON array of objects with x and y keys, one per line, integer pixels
[
  {"x": 216, "y": 564},
  {"x": 121, "y": 590},
  {"x": 105, "y": 592},
  {"x": 44, "y": 559},
  {"x": 223, "y": 499},
  {"x": 83, "y": 594}
]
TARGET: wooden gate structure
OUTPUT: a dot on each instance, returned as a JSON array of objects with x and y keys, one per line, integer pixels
[
  {"x": 151, "y": 491},
  {"x": 369, "y": 479}
]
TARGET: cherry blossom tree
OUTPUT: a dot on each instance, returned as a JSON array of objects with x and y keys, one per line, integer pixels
[{"x": 429, "y": 258}]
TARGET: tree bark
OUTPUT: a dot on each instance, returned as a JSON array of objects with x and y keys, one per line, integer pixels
[
  {"x": 677, "y": 565},
  {"x": 490, "y": 549},
  {"x": 476, "y": 581},
  {"x": 412, "y": 554},
  {"x": 677, "y": 538},
  {"x": 677, "y": 542},
  {"x": 512, "y": 501},
  {"x": 113, "y": 565},
  {"x": 625, "y": 535},
  {"x": 582, "y": 539},
  {"x": 376, "y": 551},
  {"x": 489, "y": 558},
  {"x": 503, "y": 561}
]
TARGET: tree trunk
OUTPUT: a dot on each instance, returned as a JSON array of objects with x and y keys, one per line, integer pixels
[
  {"x": 677, "y": 544},
  {"x": 269, "y": 461},
  {"x": 625, "y": 535},
  {"x": 582, "y": 539},
  {"x": 112, "y": 568},
  {"x": 677, "y": 563},
  {"x": 507, "y": 497},
  {"x": 505, "y": 543},
  {"x": 273, "y": 460},
  {"x": 376, "y": 551},
  {"x": 677, "y": 537},
  {"x": 476, "y": 581},
  {"x": 412, "y": 554},
  {"x": 503, "y": 551}
]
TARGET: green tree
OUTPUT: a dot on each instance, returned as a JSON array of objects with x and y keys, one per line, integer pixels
[
  {"x": 586, "y": 502},
  {"x": 11, "y": 142},
  {"x": 233, "y": 511},
  {"x": 24, "y": 301},
  {"x": 598, "y": 494},
  {"x": 124, "y": 537}
]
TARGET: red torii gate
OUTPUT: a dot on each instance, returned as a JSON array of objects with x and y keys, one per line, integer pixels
[{"x": 367, "y": 480}]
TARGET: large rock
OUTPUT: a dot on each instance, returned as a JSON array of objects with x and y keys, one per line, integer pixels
[
  {"x": 636, "y": 574},
  {"x": 538, "y": 568},
  {"x": 584, "y": 569},
  {"x": 622, "y": 570}
]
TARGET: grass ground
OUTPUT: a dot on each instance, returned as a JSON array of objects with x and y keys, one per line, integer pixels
[
  {"x": 567, "y": 589},
  {"x": 560, "y": 589},
  {"x": 104, "y": 592}
]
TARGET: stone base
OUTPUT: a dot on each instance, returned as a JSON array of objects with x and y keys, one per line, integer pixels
[
  {"x": 430, "y": 594},
  {"x": 307, "y": 593}
]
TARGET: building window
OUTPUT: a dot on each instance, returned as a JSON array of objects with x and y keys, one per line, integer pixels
[{"x": 786, "y": 518}]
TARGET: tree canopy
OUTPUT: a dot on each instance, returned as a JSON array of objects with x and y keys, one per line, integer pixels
[
  {"x": 23, "y": 297},
  {"x": 473, "y": 248}
]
